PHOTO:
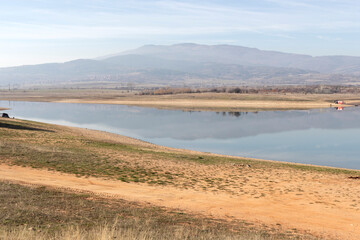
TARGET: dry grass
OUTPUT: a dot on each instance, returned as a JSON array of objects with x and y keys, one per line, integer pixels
[
  {"x": 109, "y": 231},
  {"x": 41, "y": 213}
]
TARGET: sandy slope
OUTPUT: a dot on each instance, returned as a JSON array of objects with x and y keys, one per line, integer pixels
[{"x": 290, "y": 211}]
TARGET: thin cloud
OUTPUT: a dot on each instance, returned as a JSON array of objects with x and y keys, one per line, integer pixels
[
  {"x": 170, "y": 17},
  {"x": 304, "y": 26}
]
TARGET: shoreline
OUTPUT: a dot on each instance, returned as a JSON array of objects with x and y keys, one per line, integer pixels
[
  {"x": 216, "y": 102},
  {"x": 213, "y": 106},
  {"x": 195, "y": 152},
  {"x": 208, "y": 106},
  {"x": 140, "y": 142},
  {"x": 188, "y": 151}
]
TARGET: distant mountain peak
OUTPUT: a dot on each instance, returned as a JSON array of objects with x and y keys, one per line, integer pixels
[
  {"x": 169, "y": 64},
  {"x": 232, "y": 54}
]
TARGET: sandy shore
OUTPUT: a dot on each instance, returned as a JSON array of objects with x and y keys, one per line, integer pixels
[
  {"x": 188, "y": 102},
  {"x": 290, "y": 211},
  {"x": 211, "y": 105}
]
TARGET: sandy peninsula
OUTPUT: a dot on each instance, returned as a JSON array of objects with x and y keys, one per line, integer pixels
[{"x": 187, "y": 102}]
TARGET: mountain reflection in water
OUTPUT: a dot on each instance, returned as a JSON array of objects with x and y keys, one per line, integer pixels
[{"x": 322, "y": 136}]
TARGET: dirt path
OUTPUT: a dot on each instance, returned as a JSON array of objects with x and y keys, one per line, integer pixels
[{"x": 290, "y": 212}]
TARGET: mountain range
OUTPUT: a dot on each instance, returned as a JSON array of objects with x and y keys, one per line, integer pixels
[{"x": 190, "y": 64}]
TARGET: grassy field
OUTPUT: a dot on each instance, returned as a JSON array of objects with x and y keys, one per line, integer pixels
[
  {"x": 43, "y": 213},
  {"x": 188, "y": 102},
  {"x": 267, "y": 186}
]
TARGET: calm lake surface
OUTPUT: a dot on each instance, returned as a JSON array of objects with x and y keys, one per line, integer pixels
[{"x": 323, "y": 137}]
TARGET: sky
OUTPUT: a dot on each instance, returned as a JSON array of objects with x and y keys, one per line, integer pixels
[{"x": 40, "y": 31}]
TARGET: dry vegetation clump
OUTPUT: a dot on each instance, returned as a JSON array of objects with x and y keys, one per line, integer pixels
[
  {"x": 168, "y": 90},
  {"x": 110, "y": 231}
]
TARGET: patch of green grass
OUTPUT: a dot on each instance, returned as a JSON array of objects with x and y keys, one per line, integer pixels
[
  {"x": 211, "y": 160},
  {"x": 77, "y": 161},
  {"x": 320, "y": 169}
]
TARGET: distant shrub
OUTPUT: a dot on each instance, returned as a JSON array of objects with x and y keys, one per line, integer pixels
[
  {"x": 307, "y": 89},
  {"x": 168, "y": 91}
]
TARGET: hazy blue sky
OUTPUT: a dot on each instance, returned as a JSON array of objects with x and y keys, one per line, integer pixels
[{"x": 36, "y": 31}]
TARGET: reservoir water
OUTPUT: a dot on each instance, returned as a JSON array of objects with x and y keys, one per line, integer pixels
[{"x": 323, "y": 136}]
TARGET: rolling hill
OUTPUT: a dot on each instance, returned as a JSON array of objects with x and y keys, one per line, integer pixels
[{"x": 190, "y": 64}]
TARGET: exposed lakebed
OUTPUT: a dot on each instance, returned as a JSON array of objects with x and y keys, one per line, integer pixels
[{"x": 321, "y": 136}]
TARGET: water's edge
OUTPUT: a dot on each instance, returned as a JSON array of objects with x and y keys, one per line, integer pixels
[{"x": 316, "y": 137}]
